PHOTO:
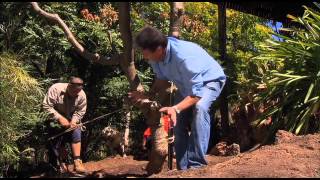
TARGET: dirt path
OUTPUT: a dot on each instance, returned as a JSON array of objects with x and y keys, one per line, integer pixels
[{"x": 290, "y": 156}]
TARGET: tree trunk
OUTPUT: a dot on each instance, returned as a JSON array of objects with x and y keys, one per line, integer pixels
[
  {"x": 127, "y": 60},
  {"x": 176, "y": 15},
  {"x": 222, "y": 52}
]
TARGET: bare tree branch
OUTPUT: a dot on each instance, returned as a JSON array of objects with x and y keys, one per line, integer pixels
[{"x": 79, "y": 48}]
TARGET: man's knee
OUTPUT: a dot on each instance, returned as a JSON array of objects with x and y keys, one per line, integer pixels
[{"x": 76, "y": 136}]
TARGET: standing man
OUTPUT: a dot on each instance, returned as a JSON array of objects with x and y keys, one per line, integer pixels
[
  {"x": 66, "y": 105},
  {"x": 199, "y": 79}
]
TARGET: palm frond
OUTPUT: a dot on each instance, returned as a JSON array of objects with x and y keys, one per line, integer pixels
[{"x": 294, "y": 80}]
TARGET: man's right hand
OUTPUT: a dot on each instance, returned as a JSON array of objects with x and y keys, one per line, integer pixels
[{"x": 64, "y": 122}]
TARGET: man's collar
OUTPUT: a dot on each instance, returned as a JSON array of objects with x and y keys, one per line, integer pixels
[
  {"x": 167, "y": 57},
  {"x": 64, "y": 90}
]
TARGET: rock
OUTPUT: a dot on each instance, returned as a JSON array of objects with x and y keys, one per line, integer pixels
[
  {"x": 233, "y": 150},
  {"x": 222, "y": 149}
]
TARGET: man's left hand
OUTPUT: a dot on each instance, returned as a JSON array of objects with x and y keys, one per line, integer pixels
[
  {"x": 171, "y": 112},
  {"x": 73, "y": 123}
]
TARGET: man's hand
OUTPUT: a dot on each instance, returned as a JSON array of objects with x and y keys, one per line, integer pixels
[
  {"x": 136, "y": 96},
  {"x": 64, "y": 122},
  {"x": 171, "y": 112},
  {"x": 73, "y": 123}
]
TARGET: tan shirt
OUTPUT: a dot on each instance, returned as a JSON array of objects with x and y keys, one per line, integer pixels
[{"x": 57, "y": 103}]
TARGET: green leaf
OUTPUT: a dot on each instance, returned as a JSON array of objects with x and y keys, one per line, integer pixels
[
  {"x": 295, "y": 79},
  {"x": 302, "y": 121},
  {"x": 309, "y": 93}
]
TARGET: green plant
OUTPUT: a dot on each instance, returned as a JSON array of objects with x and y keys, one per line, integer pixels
[
  {"x": 20, "y": 96},
  {"x": 293, "y": 76}
]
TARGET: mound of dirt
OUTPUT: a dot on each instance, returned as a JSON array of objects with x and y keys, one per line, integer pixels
[{"x": 289, "y": 156}]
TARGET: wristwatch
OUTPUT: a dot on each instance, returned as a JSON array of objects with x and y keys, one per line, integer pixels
[{"x": 176, "y": 109}]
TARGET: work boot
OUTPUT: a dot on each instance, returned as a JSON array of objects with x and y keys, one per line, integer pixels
[
  {"x": 78, "y": 166},
  {"x": 63, "y": 168}
]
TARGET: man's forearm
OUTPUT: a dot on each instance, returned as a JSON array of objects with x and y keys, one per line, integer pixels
[
  {"x": 53, "y": 114},
  {"x": 184, "y": 104},
  {"x": 187, "y": 102},
  {"x": 48, "y": 105},
  {"x": 57, "y": 117},
  {"x": 77, "y": 116}
]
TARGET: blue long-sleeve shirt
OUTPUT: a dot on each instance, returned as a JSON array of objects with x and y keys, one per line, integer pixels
[{"x": 189, "y": 66}]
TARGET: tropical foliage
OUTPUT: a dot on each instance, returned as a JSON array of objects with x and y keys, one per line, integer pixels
[{"x": 293, "y": 76}]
